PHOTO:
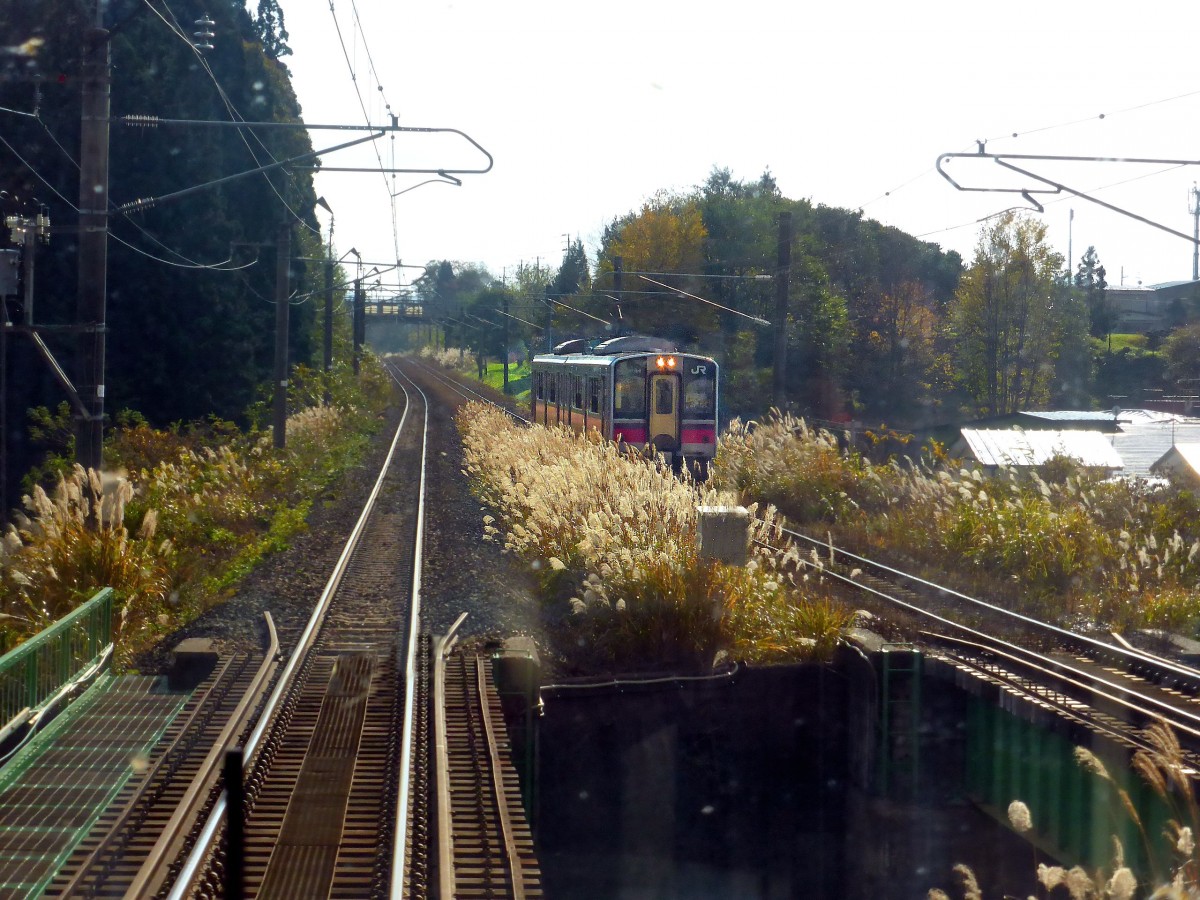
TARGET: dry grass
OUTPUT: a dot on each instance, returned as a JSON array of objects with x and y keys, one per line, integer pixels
[
  {"x": 1057, "y": 543},
  {"x": 614, "y": 538},
  {"x": 171, "y": 535}
]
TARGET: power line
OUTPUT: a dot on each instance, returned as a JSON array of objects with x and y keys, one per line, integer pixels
[
  {"x": 367, "y": 116},
  {"x": 234, "y": 114}
]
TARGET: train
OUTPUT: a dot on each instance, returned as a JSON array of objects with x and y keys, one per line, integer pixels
[{"x": 636, "y": 389}]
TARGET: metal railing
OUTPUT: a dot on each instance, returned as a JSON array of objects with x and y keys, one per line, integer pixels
[{"x": 36, "y": 670}]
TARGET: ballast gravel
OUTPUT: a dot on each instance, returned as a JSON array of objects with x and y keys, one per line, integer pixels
[{"x": 461, "y": 572}]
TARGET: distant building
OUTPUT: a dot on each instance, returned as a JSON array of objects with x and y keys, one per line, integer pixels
[
  {"x": 1133, "y": 443},
  {"x": 1181, "y": 462},
  {"x": 1017, "y": 448},
  {"x": 1142, "y": 309}
]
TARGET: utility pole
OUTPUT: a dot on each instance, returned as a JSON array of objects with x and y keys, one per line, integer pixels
[
  {"x": 1195, "y": 211},
  {"x": 327, "y": 359},
  {"x": 618, "y": 277},
  {"x": 505, "y": 339},
  {"x": 1070, "y": 246},
  {"x": 283, "y": 258},
  {"x": 93, "y": 241},
  {"x": 5, "y": 282},
  {"x": 359, "y": 323},
  {"x": 783, "y": 279}
]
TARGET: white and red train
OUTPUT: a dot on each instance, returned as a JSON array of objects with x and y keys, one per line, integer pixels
[{"x": 635, "y": 389}]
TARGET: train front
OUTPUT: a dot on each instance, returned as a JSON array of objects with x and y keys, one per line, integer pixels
[{"x": 669, "y": 402}]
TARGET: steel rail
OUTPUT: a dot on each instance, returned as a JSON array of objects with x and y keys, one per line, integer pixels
[
  {"x": 1193, "y": 720},
  {"x": 1031, "y": 661},
  {"x": 446, "y": 875},
  {"x": 515, "y": 867},
  {"x": 463, "y": 390},
  {"x": 195, "y": 860},
  {"x": 1173, "y": 669},
  {"x": 400, "y": 832}
]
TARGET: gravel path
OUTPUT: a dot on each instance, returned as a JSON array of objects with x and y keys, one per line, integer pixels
[{"x": 461, "y": 572}]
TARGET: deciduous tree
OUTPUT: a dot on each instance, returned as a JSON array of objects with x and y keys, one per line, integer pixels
[{"x": 1004, "y": 317}]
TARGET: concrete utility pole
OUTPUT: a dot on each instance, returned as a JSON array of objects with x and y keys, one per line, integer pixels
[
  {"x": 1195, "y": 211},
  {"x": 359, "y": 323},
  {"x": 327, "y": 358},
  {"x": 93, "y": 242},
  {"x": 618, "y": 278},
  {"x": 783, "y": 279},
  {"x": 504, "y": 338},
  {"x": 283, "y": 258}
]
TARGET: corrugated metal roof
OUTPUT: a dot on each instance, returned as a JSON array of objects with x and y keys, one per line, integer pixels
[
  {"x": 1142, "y": 445},
  {"x": 1033, "y": 448},
  {"x": 1070, "y": 415}
]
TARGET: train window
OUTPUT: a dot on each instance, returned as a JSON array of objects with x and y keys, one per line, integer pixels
[
  {"x": 629, "y": 383},
  {"x": 553, "y": 388},
  {"x": 578, "y": 393},
  {"x": 538, "y": 387},
  {"x": 699, "y": 396},
  {"x": 594, "y": 391},
  {"x": 664, "y": 397}
]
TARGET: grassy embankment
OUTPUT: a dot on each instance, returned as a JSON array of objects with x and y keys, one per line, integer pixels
[
  {"x": 493, "y": 376},
  {"x": 1056, "y": 543},
  {"x": 182, "y": 514}
]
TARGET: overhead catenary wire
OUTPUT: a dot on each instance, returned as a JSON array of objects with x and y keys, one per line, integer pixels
[
  {"x": 1011, "y": 135},
  {"x": 366, "y": 115},
  {"x": 230, "y": 108}
]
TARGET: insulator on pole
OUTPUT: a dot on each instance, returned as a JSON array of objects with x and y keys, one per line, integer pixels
[
  {"x": 141, "y": 121},
  {"x": 204, "y": 33}
]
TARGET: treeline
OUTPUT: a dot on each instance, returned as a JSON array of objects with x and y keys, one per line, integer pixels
[
  {"x": 191, "y": 281},
  {"x": 880, "y": 327}
]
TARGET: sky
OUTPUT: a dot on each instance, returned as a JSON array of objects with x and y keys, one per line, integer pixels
[{"x": 589, "y": 110}]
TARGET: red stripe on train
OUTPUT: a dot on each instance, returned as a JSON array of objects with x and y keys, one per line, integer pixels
[
  {"x": 634, "y": 434},
  {"x": 698, "y": 436}
]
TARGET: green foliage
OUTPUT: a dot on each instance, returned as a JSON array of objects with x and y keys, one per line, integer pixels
[
  {"x": 286, "y": 523},
  {"x": 1182, "y": 352},
  {"x": 200, "y": 506},
  {"x": 54, "y": 435},
  {"x": 1008, "y": 334},
  {"x": 184, "y": 341},
  {"x": 797, "y": 469},
  {"x": 1090, "y": 277}
]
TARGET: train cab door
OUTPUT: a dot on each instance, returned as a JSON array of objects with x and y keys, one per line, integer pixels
[{"x": 664, "y": 412}]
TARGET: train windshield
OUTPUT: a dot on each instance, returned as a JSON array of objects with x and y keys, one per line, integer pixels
[
  {"x": 699, "y": 393},
  {"x": 629, "y": 382}
]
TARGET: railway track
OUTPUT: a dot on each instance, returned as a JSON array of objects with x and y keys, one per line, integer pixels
[
  {"x": 326, "y": 784},
  {"x": 340, "y": 769},
  {"x": 485, "y": 848},
  {"x": 1113, "y": 688}
]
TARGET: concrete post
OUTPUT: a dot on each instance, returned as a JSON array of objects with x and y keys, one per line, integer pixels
[{"x": 723, "y": 534}]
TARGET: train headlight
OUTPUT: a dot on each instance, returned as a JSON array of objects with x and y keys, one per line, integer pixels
[{"x": 666, "y": 362}]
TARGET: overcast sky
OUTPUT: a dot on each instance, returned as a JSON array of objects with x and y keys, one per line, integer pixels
[{"x": 589, "y": 109}]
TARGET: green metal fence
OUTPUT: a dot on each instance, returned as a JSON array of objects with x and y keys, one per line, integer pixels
[{"x": 34, "y": 671}]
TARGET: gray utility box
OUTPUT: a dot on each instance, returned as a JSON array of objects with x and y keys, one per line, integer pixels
[{"x": 723, "y": 533}]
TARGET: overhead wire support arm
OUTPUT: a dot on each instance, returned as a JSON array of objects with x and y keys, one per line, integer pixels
[
  {"x": 136, "y": 205},
  {"x": 1055, "y": 187}
]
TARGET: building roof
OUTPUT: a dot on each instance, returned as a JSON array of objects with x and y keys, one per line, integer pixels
[
  {"x": 1015, "y": 447},
  {"x": 1141, "y": 445},
  {"x": 1180, "y": 457}
]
